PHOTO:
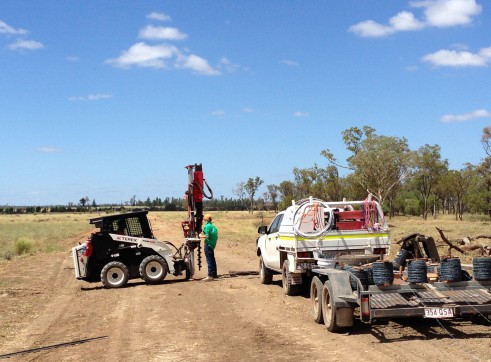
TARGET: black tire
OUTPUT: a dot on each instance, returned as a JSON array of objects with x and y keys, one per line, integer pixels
[
  {"x": 287, "y": 281},
  {"x": 265, "y": 275},
  {"x": 357, "y": 260},
  {"x": 114, "y": 275},
  {"x": 153, "y": 269},
  {"x": 316, "y": 299},
  {"x": 328, "y": 308}
]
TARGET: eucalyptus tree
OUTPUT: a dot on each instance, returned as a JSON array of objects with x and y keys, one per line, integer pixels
[
  {"x": 251, "y": 187},
  {"x": 428, "y": 169},
  {"x": 378, "y": 163}
]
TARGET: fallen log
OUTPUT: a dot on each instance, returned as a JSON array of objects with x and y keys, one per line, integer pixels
[{"x": 467, "y": 244}]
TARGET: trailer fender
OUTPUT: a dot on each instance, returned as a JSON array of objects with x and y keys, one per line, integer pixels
[{"x": 340, "y": 291}]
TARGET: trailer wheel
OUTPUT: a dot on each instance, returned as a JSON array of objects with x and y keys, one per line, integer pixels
[
  {"x": 153, "y": 269},
  {"x": 316, "y": 299},
  {"x": 329, "y": 308},
  {"x": 287, "y": 281},
  {"x": 114, "y": 275},
  {"x": 265, "y": 275}
]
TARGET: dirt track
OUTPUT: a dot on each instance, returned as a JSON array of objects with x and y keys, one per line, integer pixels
[{"x": 231, "y": 319}]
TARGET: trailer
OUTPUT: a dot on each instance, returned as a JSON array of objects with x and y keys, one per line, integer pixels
[
  {"x": 338, "y": 295},
  {"x": 340, "y": 250}
]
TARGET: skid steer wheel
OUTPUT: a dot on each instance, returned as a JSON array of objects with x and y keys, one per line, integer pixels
[
  {"x": 265, "y": 275},
  {"x": 114, "y": 275},
  {"x": 287, "y": 281},
  {"x": 316, "y": 299},
  {"x": 329, "y": 308},
  {"x": 153, "y": 269}
]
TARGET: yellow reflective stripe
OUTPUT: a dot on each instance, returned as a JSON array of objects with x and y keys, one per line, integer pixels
[{"x": 344, "y": 236}]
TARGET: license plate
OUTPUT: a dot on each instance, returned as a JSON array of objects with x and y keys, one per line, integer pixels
[{"x": 439, "y": 313}]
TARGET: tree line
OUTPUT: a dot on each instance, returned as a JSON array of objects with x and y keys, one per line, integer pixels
[{"x": 404, "y": 181}]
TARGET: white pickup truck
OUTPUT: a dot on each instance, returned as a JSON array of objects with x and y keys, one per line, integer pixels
[{"x": 314, "y": 234}]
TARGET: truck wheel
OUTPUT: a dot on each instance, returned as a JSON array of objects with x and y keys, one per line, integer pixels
[
  {"x": 286, "y": 279},
  {"x": 316, "y": 299},
  {"x": 114, "y": 275},
  {"x": 329, "y": 308},
  {"x": 153, "y": 269},
  {"x": 265, "y": 275}
]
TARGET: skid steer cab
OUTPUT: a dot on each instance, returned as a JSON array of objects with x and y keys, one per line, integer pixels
[{"x": 124, "y": 248}]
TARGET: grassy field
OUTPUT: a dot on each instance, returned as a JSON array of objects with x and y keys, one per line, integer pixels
[{"x": 28, "y": 234}]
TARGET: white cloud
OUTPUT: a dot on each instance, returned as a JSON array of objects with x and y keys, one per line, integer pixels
[
  {"x": 436, "y": 13},
  {"x": 405, "y": 21},
  {"x": 479, "y": 113},
  {"x": 91, "y": 97},
  {"x": 455, "y": 58},
  {"x": 248, "y": 110},
  {"x": 371, "y": 29},
  {"x": 26, "y": 44},
  {"x": 218, "y": 113},
  {"x": 227, "y": 65},
  {"x": 301, "y": 114},
  {"x": 7, "y": 29},
  {"x": 446, "y": 13},
  {"x": 158, "y": 16},
  {"x": 290, "y": 63},
  {"x": 161, "y": 33},
  {"x": 49, "y": 149},
  {"x": 72, "y": 58},
  {"x": 196, "y": 64},
  {"x": 164, "y": 55},
  {"x": 144, "y": 55}
]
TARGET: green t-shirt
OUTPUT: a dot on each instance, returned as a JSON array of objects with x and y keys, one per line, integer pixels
[{"x": 211, "y": 234}]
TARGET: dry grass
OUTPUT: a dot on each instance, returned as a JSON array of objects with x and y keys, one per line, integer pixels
[{"x": 46, "y": 232}]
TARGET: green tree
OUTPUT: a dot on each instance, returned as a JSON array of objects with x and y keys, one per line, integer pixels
[
  {"x": 251, "y": 187},
  {"x": 287, "y": 192},
  {"x": 272, "y": 193},
  {"x": 428, "y": 169},
  {"x": 379, "y": 163}
]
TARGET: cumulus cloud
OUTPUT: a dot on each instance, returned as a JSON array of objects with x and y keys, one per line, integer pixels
[
  {"x": 436, "y": 13},
  {"x": 196, "y": 64},
  {"x": 161, "y": 33},
  {"x": 144, "y": 55},
  {"x": 158, "y": 16},
  {"x": 7, "y": 29},
  {"x": 26, "y": 44},
  {"x": 459, "y": 58},
  {"x": 446, "y": 13},
  {"x": 91, "y": 97},
  {"x": 479, "y": 113}
]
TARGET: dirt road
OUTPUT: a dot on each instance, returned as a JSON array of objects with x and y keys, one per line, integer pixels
[{"x": 231, "y": 319}]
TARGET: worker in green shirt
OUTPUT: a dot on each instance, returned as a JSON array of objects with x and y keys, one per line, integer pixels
[{"x": 210, "y": 233}]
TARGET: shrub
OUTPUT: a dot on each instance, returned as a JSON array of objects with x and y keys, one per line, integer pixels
[{"x": 23, "y": 246}]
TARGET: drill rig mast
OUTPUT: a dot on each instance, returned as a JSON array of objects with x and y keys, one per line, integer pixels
[{"x": 193, "y": 225}]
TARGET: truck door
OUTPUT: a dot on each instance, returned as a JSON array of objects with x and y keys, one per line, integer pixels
[{"x": 272, "y": 259}]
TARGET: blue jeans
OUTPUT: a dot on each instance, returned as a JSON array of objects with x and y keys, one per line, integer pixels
[{"x": 210, "y": 260}]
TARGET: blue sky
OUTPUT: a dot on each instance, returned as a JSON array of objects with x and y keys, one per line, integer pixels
[{"x": 110, "y": 99}]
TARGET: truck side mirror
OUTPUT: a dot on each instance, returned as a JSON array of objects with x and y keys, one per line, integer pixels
[{"x": 262, "y": 229}]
